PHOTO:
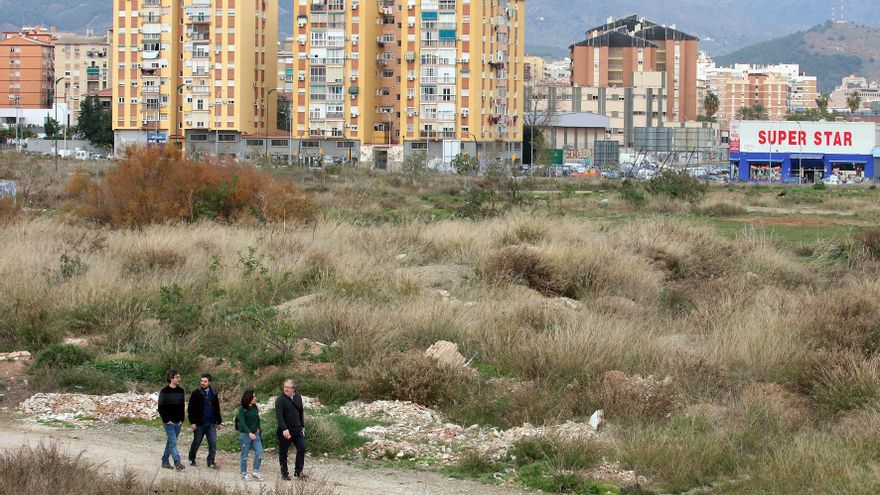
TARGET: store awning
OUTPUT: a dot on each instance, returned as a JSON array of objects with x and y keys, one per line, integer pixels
[
  {"x": 848, "y": 161},
  {"x": 803, "y": 156},
  {"x": 765, "y": 160}
]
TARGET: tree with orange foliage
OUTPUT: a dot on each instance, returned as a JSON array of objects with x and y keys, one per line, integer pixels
[{"x": 154, "y": 185}]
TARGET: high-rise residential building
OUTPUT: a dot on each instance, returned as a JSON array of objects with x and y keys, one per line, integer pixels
[
  {"x": 533, "y": 69},
  {"x": 779, "y": 89},
  {"x": 381, "y": 79},
  {"x": 199, "y": 71},
  {"x": 85, "y": 62},
  {"x": 614, "y": 52},
  {"x": 27, "y": 73},
  {"x": 869, "y": 93}
]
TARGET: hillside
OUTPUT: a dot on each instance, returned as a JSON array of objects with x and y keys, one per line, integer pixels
[
  {"x": 551, "y": 25},
  {"x": 829, "y": 52}
]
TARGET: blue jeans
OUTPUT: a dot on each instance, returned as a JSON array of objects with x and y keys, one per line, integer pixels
[
  {"x": 172, "y": 431},
  {"x": 246, "y": 444},
  {"x": 201, "y": 432}
]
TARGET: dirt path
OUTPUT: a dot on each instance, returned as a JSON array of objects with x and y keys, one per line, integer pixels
[{"x": 138, "y": 448}]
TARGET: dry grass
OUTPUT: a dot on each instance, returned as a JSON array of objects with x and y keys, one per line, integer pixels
[{"x": 783, "y": 341}]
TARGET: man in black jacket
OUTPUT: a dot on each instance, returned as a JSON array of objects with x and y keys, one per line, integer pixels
[
  {"x": 171, "y": 409},
  {"x": 289, "y": 413},
  {"x": 205, "y": 419}
]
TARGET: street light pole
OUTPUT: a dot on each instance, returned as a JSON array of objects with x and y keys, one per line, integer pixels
[
  {"x": 290, "y": 140},
  {"x": 266, "y": 122},
  {"x": 476, "y": 150},
  {"x": 55, "y": 104}
]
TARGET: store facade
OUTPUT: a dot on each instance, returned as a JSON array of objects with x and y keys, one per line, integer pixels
[{"x": 802, "y": 152}]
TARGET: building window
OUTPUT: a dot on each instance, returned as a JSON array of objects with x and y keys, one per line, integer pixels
[
  {"x": 309, "y": 144},
  {"x": 228, "y": 138},
  {"x": 254, "y": 142},
  {"x": 198, "y": 137},
  {"x": 419, "y": 145},
  {"x": 279, "y": 142}
]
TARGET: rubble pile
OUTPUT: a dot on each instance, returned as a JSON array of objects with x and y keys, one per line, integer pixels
[
  {"x": 15, "y": 356},
  {"x": 106, "y": 408},
  {"x": 412, "y": 431}
]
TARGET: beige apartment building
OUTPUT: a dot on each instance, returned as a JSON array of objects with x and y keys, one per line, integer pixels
[
  {"x": 533, "y": 69},
  {"x": 615, "y": 52},
  {"x": 780, "y": 89},
  {"x": 869, "y": 92},
  {"x": 376, "y": 80},
  {"x": 85, "y": 62},
  {"x": 200, "y": 72}
]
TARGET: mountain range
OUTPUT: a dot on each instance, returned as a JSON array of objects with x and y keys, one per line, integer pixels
[
  {"x": 828, "y": 51},
  {"x": 724, "y": 26}
]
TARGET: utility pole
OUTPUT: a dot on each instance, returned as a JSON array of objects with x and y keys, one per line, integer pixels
[
  {"x": 266, "y": 122},
  {"x": 55, "y": 104}
]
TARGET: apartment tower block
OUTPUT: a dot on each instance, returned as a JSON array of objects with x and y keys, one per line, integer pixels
[
  {"x": 615, "y": 51},
  {"x": 384, "y": 78},
  {"x": 199, "y": 71}
]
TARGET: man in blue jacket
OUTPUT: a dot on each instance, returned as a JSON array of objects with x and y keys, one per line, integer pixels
[
  {"x": 171, "y": 409},
  {"x": 205, "y": 419}
]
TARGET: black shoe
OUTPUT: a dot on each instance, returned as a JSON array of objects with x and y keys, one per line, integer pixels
[
  {"x": 214, "y": 465},
  {"x": 285, "y": 478},
  {"x": 179, "y": 466},
  {"x": 192, "y": 462},
  {"x": 165, "y": 465},
  {"x": 300, "y": 476}
]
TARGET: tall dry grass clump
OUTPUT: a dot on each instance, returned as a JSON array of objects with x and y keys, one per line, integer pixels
[{"x": 153, "y": 185}]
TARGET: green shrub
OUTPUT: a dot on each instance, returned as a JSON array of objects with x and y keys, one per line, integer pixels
[
  {"x": 62, "y": 356},
  {"x": 413, "y": 377},
  {"x": 845, "y": 383},
  {"x": 561, "y": 453},
  {"x": 180, "y": 315},
  {"x": 334, "y": 434},
  {"x": 540, "y": 476},
  {"x": 475, "y": 465},
  {"x": 80, "y": 379},
  {"x": 632, "y": 194},
  {"x": 677, "y": 185},
  {"x": 820, "y": 186},
  {"x": 126, "y": 370}
]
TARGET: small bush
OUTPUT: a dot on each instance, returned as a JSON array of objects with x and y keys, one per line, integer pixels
[
  {"x": 126, "y": 370},
  {"x": 412, "y": 377},
  {"x": 820, "y": 186},
  {"x": 677, "y": 185},
  {"x": 845, "y": 382},
  {"x": 524, "y": 265},
  {"x": 62, "y": 356},
  {"x": 180, "y": 315},
  {"x": 151, "y": 259},
  {"x": 335, "y": 434},
  {"x": 154, "y": 185},
  {"x": 632, "y": 194},
  {"x": 562, "y": 453},
  {"x": 870, "y": 238}
]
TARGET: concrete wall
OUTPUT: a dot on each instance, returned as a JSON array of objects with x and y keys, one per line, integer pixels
[{"x": 48, "y": 146}]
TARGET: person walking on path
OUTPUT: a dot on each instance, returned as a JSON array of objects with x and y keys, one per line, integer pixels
[
  {"x": 291, "y": 421},
  {"x": 172, "y": 401},
  {"x": 205, "y": 419},
  {"x": 247, "y": 422}
]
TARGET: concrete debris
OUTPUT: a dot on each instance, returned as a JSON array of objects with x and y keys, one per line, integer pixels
[
  {"x": 77, "y": 342},
  {"x": 614, "y": 473},
  {"x": 106, "y": 408},
  {"x": 15, "y": 356},
  {"x": 309, "y": 347},
  {"x": 400, "y": 257},
  {"x": 596, "y": 419},
  {"x": 446, "y": 353},
  {"x": 412, "y": 431}
]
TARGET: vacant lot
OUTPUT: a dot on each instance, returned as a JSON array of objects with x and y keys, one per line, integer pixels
[{"x": 751, "y": 316}]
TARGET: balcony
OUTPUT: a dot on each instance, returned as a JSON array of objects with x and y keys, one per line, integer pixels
[
  {"x": 443, "y": 43},
  {"x": 335, "y": 115},
  {"x": 201, "y": 54},
  {"x": 201, "y": 90},
  {"x": 148, "y": 90},
  {"x": 197, "y": 36},
  {"x": 428, "y": 134}
]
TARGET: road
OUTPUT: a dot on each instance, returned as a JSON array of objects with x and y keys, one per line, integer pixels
[{"x": 114, "y": 448}]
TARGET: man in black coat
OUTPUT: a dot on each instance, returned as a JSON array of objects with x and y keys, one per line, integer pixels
[
  {"x": 171, "y": 403},
  {"x": 205, "y": 419},
  {"x": 291, "y": 421}
]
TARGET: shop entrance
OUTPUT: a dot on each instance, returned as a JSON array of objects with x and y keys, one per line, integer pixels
[
  {"x": 764, "y": 171},
  {"x": 807, "y": 171},
  {"x": 848, "y": 171}
]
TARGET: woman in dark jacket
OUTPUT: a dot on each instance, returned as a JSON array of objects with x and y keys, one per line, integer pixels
[{"x": 247, "y": 421}]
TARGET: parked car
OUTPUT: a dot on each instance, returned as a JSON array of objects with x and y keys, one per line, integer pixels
[{"x": 831, "y": 180}]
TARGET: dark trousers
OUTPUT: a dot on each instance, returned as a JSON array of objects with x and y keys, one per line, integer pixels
[
  {"x": 201, "y": 432},
  {"x": 299, "y": 441}
]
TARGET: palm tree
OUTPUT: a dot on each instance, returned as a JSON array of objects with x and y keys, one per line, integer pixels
[
  {"x": 711, "y": 104},
  {"x": 822, "y": 103},
  {"x": 760, "y": 112},
  {"x": 745, "y": 113},
  {"x": 853, "y": 101}
]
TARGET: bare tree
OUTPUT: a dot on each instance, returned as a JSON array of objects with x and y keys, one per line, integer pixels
[{"x": 541, "y": 110}]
